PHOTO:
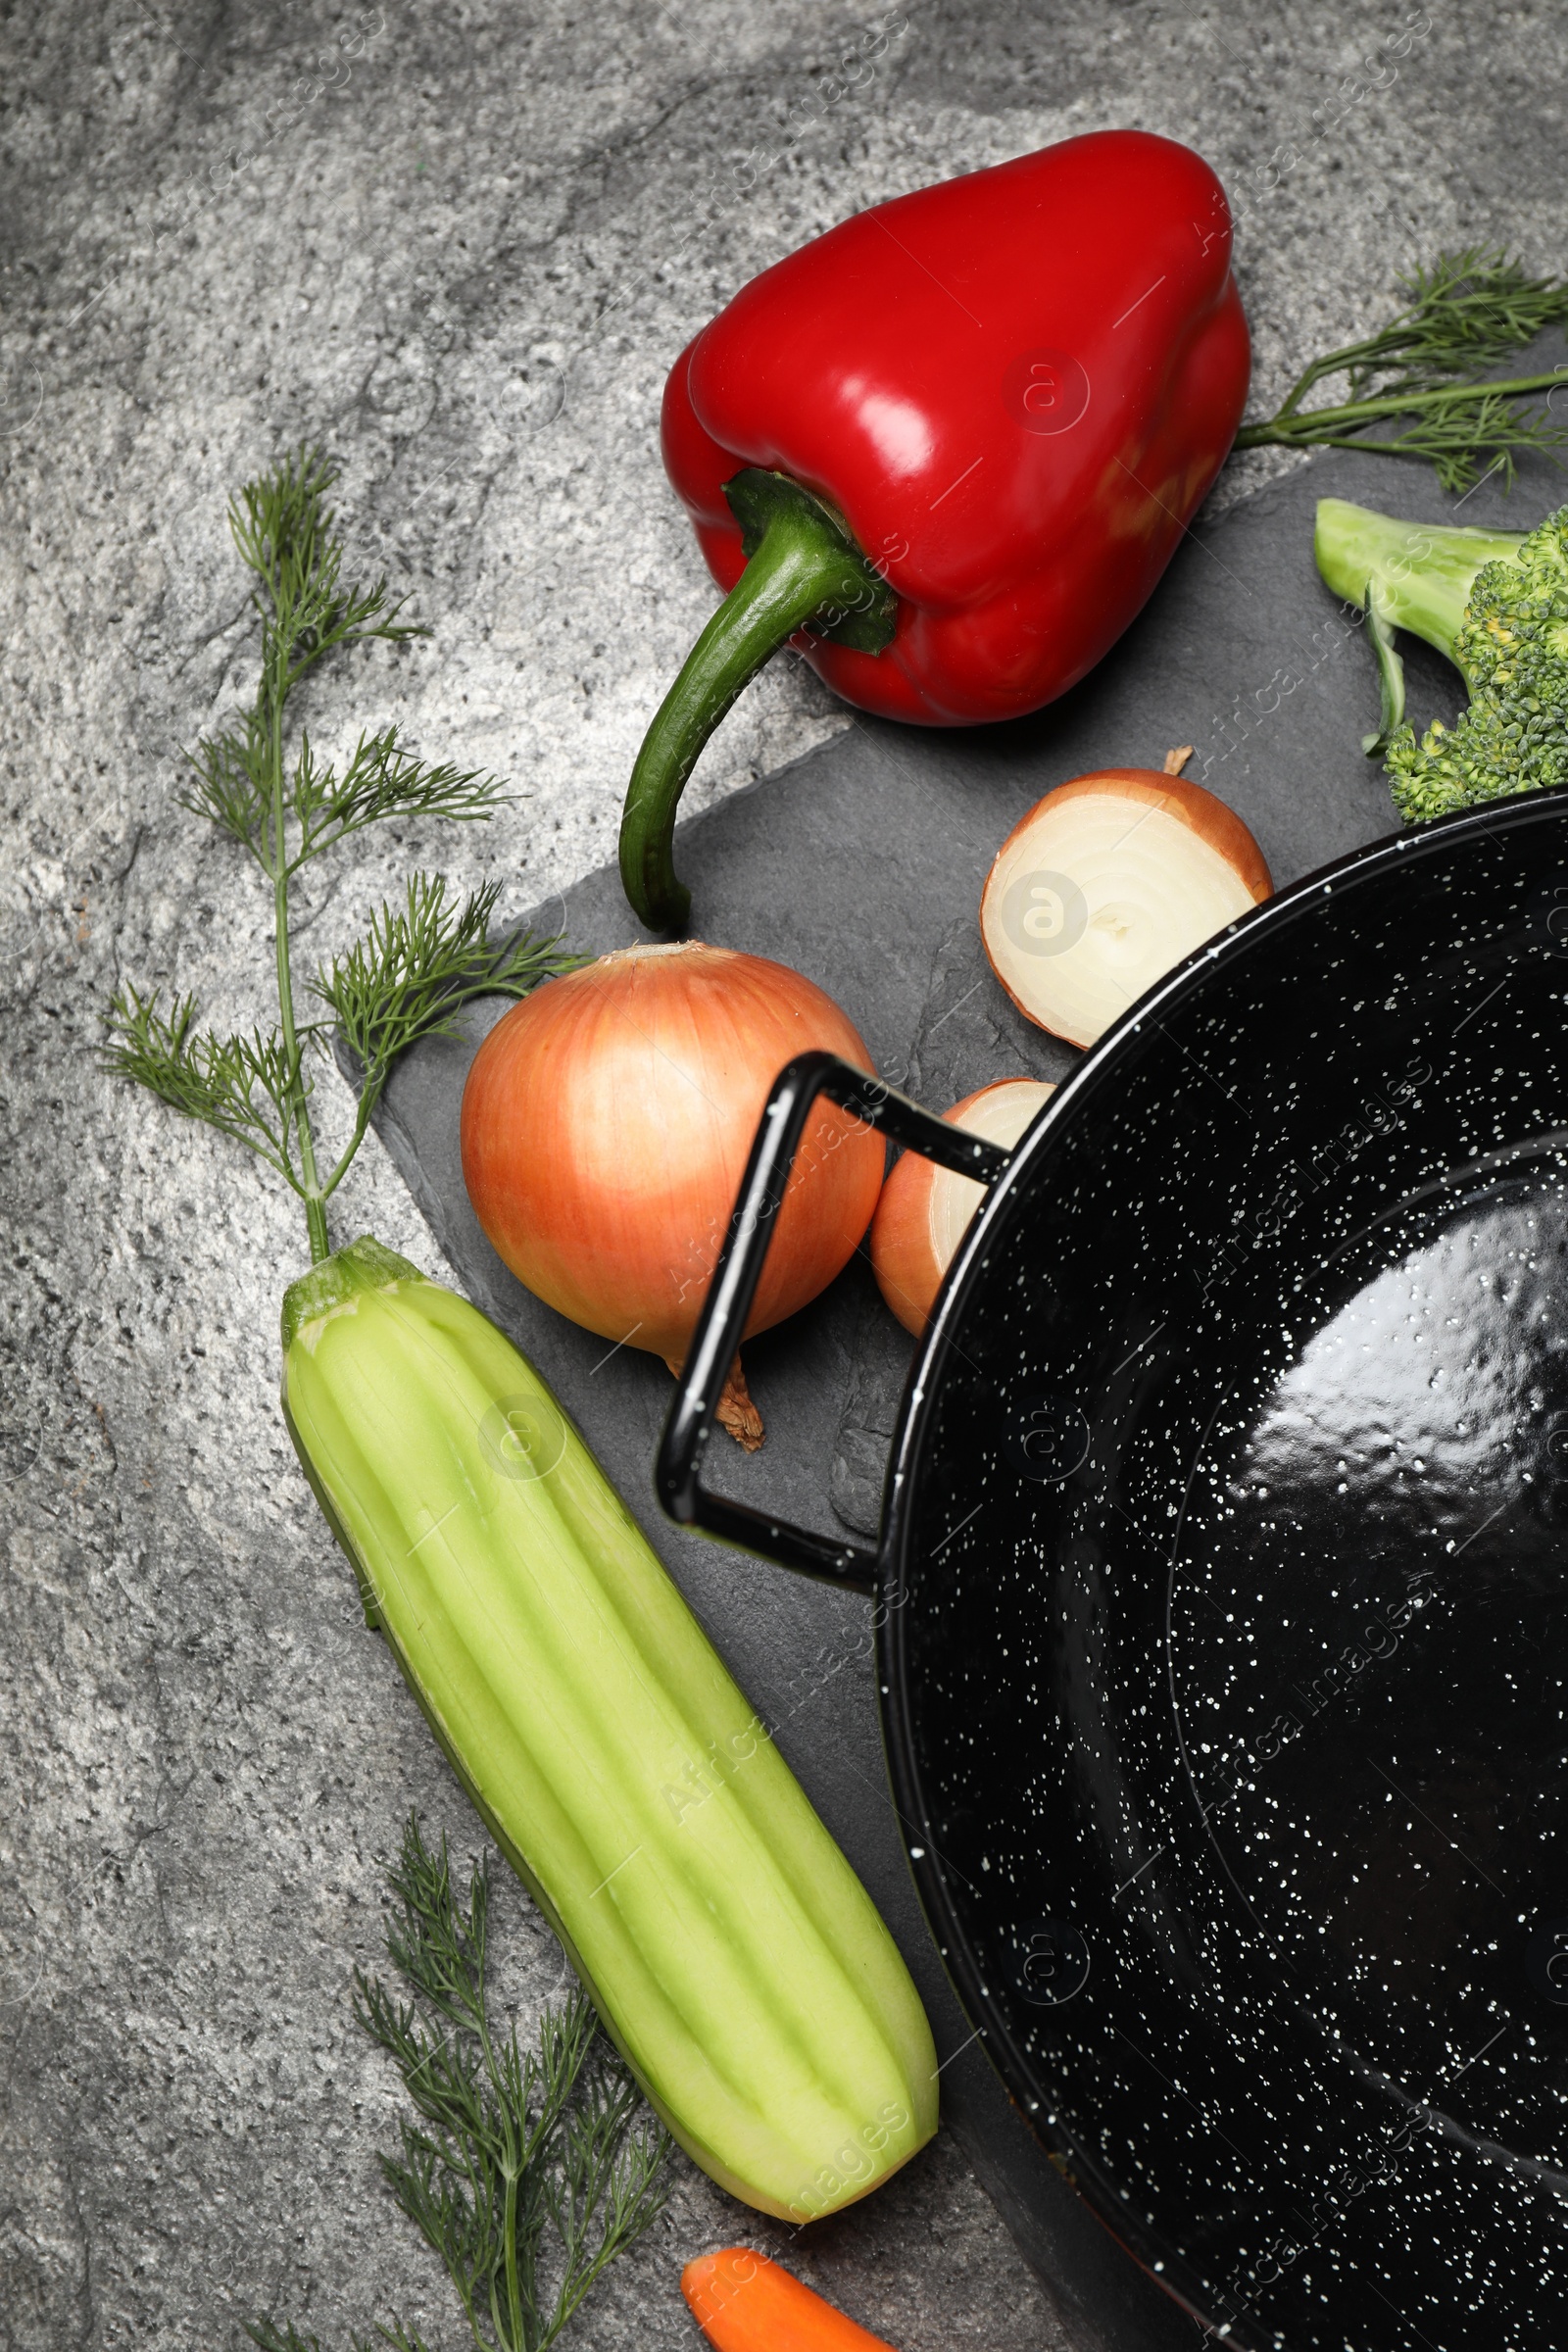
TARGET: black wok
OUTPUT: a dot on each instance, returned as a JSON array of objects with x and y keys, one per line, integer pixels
[{"x": 1220, "y": 1599}]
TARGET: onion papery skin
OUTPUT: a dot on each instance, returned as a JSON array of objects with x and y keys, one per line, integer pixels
[
  {"x": 607, "y": 1122},
  {"x": 925, "y": 1210},
  {"x": 1105, "y": 886}
]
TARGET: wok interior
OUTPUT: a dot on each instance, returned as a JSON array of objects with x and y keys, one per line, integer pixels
[{"x": 1232, "y": 1657}]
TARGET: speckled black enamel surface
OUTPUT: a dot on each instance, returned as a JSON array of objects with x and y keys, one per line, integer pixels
[{"x": 1225, "y": 1663}]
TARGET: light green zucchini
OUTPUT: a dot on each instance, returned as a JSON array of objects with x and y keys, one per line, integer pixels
[{"x": 736, "y": 1959}]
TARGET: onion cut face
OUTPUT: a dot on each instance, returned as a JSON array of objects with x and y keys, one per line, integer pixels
[
  {"x": 1105, "y": 886},
  {"x": 925, "y": 1211},
  {"x": 607, "y": 1122}
]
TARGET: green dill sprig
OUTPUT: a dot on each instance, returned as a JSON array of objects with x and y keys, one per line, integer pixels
[
  {"x": 381, "y": 780},
  {"x": 1464, "y": 313},
  {"x": 243, "y": 1085},
  {"x": 528, "y": 2171},
  {"x": 411, "y": 974},
  {"x": 418, "y": 963}
]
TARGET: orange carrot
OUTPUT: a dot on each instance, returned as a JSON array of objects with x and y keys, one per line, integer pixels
[{"x": 744, "y": 2303}]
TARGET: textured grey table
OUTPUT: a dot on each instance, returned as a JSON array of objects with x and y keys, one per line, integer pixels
[{"x": 467, "y": 268}]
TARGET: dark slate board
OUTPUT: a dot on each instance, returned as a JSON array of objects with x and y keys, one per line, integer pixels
[{"x": 862, "y": 867}]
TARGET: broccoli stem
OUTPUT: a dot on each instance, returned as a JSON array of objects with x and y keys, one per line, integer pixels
[
  {"x": 1496, "y": 605},
  {"x": 1422, "y": 571},
  {"x": 1403, "y": 576}
]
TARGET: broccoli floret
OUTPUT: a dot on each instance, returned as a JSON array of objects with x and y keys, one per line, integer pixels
[
  {"x": 1510, "y": 644},
  {"x": 1513, "y": 646}
]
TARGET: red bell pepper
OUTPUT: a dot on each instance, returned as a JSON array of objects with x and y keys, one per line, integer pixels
[{"x": 948, "y": 449}]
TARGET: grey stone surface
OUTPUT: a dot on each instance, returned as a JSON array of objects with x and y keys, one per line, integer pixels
[{"x": 464, "y": 263}]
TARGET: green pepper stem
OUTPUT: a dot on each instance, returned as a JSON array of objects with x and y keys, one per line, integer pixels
[{"x": 800, "y": 568}]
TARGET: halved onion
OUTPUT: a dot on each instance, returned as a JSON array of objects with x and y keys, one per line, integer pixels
[
  {"x": 925, "y": 1212},
  {"x": 1105, "y": 886}
]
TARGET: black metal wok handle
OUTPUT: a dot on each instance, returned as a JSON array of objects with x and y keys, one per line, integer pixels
[{"x": 722, "y": 1321}]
